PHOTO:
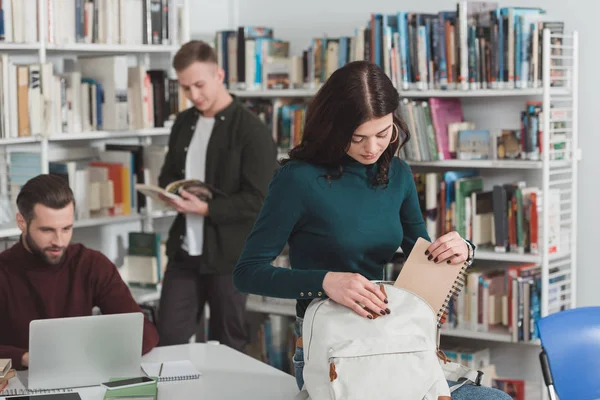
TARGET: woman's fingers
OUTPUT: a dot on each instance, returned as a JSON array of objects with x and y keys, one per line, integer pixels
[
  {"x": 456, "y": 259},
  {"x": 357, "y": 308}
]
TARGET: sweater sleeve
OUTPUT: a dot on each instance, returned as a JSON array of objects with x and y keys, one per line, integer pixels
[
  {"x": 411, "y": 217},
  {"x": 113, "y": 296},
  {"x": 6, "y": 351},
  {"x": 281, "y": 214},
  {"x": 14, "y": 353}
]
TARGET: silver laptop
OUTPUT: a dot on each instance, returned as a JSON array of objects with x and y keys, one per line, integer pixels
[{"x": 84, "y": 351}]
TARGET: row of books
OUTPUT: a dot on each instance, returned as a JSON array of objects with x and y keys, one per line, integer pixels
[
  {"x": 102, "y": 180},
  {"x": 505, "y": 217},
  {"x": 145, "y": 263},
  {"x": 101, "y": 93},
  {"x": 284, "y": 117},
  {"x": 18, "y": 21},
  {"x": 274, "y": 343},
  {"x": 131, "y": 22},
  {"x": 439, "y": 131},
  {"x": 499, "y": 300},
  {"x": 253, "y": 58},
  {"x": 477, "y": 45}
]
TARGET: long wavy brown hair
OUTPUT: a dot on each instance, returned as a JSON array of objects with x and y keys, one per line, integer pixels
[{"x": 354, "y": 94}]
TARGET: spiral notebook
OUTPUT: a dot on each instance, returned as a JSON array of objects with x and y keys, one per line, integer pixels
[
  {"x": 434, "y": 283},
  {"x": 16, "y": 388},
  {"x": 171, "y": 370}
]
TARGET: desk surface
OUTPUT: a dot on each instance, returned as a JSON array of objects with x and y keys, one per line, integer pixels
[{"x": 226, "y": 375}]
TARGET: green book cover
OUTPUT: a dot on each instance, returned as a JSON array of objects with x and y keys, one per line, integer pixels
[
  {"x": 142, "y": 392},
  {"x": 464, "y": 188}
]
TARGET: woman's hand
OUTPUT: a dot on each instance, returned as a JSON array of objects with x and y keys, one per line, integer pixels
[
  {"x": 355, "y": 292},
  {"x": 450, "y": 248}
]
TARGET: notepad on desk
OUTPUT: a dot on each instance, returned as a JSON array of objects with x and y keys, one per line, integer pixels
[
  {"x": 148, "y": 391},
  {"x": 171, "y": 370}
]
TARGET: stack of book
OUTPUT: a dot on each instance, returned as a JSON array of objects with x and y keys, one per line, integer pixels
[{"x": 6, "y": 372}]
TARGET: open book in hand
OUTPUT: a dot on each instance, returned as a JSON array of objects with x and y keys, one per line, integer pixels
[{"x": 202, "y": 190}]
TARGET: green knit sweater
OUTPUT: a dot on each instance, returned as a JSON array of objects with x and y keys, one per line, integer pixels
[{"x": 345, "y": 225}]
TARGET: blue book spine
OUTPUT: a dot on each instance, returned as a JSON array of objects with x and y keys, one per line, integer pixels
[
  {"x": 343, "y": 52},
  {"x": 404, "y": 43},
  {"x": 518, "y": 44},
  {"x": 378, "y": 38}
]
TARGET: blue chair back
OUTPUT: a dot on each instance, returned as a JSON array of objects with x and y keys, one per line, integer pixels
[{"x": 571, "y": 340}]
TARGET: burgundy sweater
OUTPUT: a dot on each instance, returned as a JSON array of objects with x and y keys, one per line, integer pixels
[{"x": 32, "y": 289}]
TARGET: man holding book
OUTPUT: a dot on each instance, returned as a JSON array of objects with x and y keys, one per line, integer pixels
[
  {"x": 222, "y": 144},
  {"x": 45, "y": 276}
]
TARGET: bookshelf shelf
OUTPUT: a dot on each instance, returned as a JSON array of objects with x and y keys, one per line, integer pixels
[
  {"x": 11, "y": 230},
  {"x": 481, "y": 93},
  {"x": 490, "y": 255},
  {"x": 270, "y": 308},
  {"x": 494, "y": 335},
  {"x": 19, "y": 140},
  {"x": 17, "y": 47},
  {"x": 98, "y": 48},
  {"x": 505, "y": 164},
  {"x": 274, "y": 93},
  {"x": 109, "y": 135},
  {"x": 120, "y": 219},
  {"x": 145, "y": 295},
  {"x": 163, "y": 213}
]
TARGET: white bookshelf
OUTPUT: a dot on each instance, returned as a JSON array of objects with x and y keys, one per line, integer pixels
[
  {"x": 543, "y": 173},
  {"x": 44, "y": 143}
]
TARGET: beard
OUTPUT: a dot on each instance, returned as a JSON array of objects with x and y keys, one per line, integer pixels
[{"x": 41, "y": 253}]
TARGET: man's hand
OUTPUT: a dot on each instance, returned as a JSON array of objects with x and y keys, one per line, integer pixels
[
  {"x": 25, "y": 360},
  {"x": 189, "y": 204}
]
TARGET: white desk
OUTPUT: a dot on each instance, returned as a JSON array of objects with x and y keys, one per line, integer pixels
[{"x": 226, "y": 375}]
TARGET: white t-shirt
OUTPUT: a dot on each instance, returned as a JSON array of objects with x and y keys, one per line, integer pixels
[{"x": 195, "y": 167}]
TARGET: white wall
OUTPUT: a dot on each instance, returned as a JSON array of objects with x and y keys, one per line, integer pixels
[{"x": 299, "y": 21}]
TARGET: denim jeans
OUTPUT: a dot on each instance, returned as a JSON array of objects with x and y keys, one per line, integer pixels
[{"x": 465, "y": 392}]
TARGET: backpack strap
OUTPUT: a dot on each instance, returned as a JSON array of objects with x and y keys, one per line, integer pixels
[
  {"x": 303, "y": 395},
  {"x": 462, "y": 375}
]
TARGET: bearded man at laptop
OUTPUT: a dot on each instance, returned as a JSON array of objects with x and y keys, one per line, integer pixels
[{"x": 44, "y": 276}]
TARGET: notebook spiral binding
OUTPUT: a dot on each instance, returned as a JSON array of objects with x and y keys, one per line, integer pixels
[
  {"x": 178, "y": 378},
  {"x": 457, "y": 287},
  {"x": 16, "y": 392}
]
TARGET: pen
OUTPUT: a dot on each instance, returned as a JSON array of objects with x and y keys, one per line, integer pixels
[{"x": 160, "y": 371}]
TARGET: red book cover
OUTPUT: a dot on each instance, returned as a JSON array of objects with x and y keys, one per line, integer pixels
[{"x": 515, "y": 388}]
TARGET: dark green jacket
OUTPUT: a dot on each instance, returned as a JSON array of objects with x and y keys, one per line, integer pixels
[{"x": 240, "y": 161}]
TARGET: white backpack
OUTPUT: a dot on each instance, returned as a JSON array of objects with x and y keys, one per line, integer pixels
[{"x": 348, "y": 357}]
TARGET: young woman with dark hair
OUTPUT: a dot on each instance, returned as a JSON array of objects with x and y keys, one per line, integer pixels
[{"x": 344, "y": 203}]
